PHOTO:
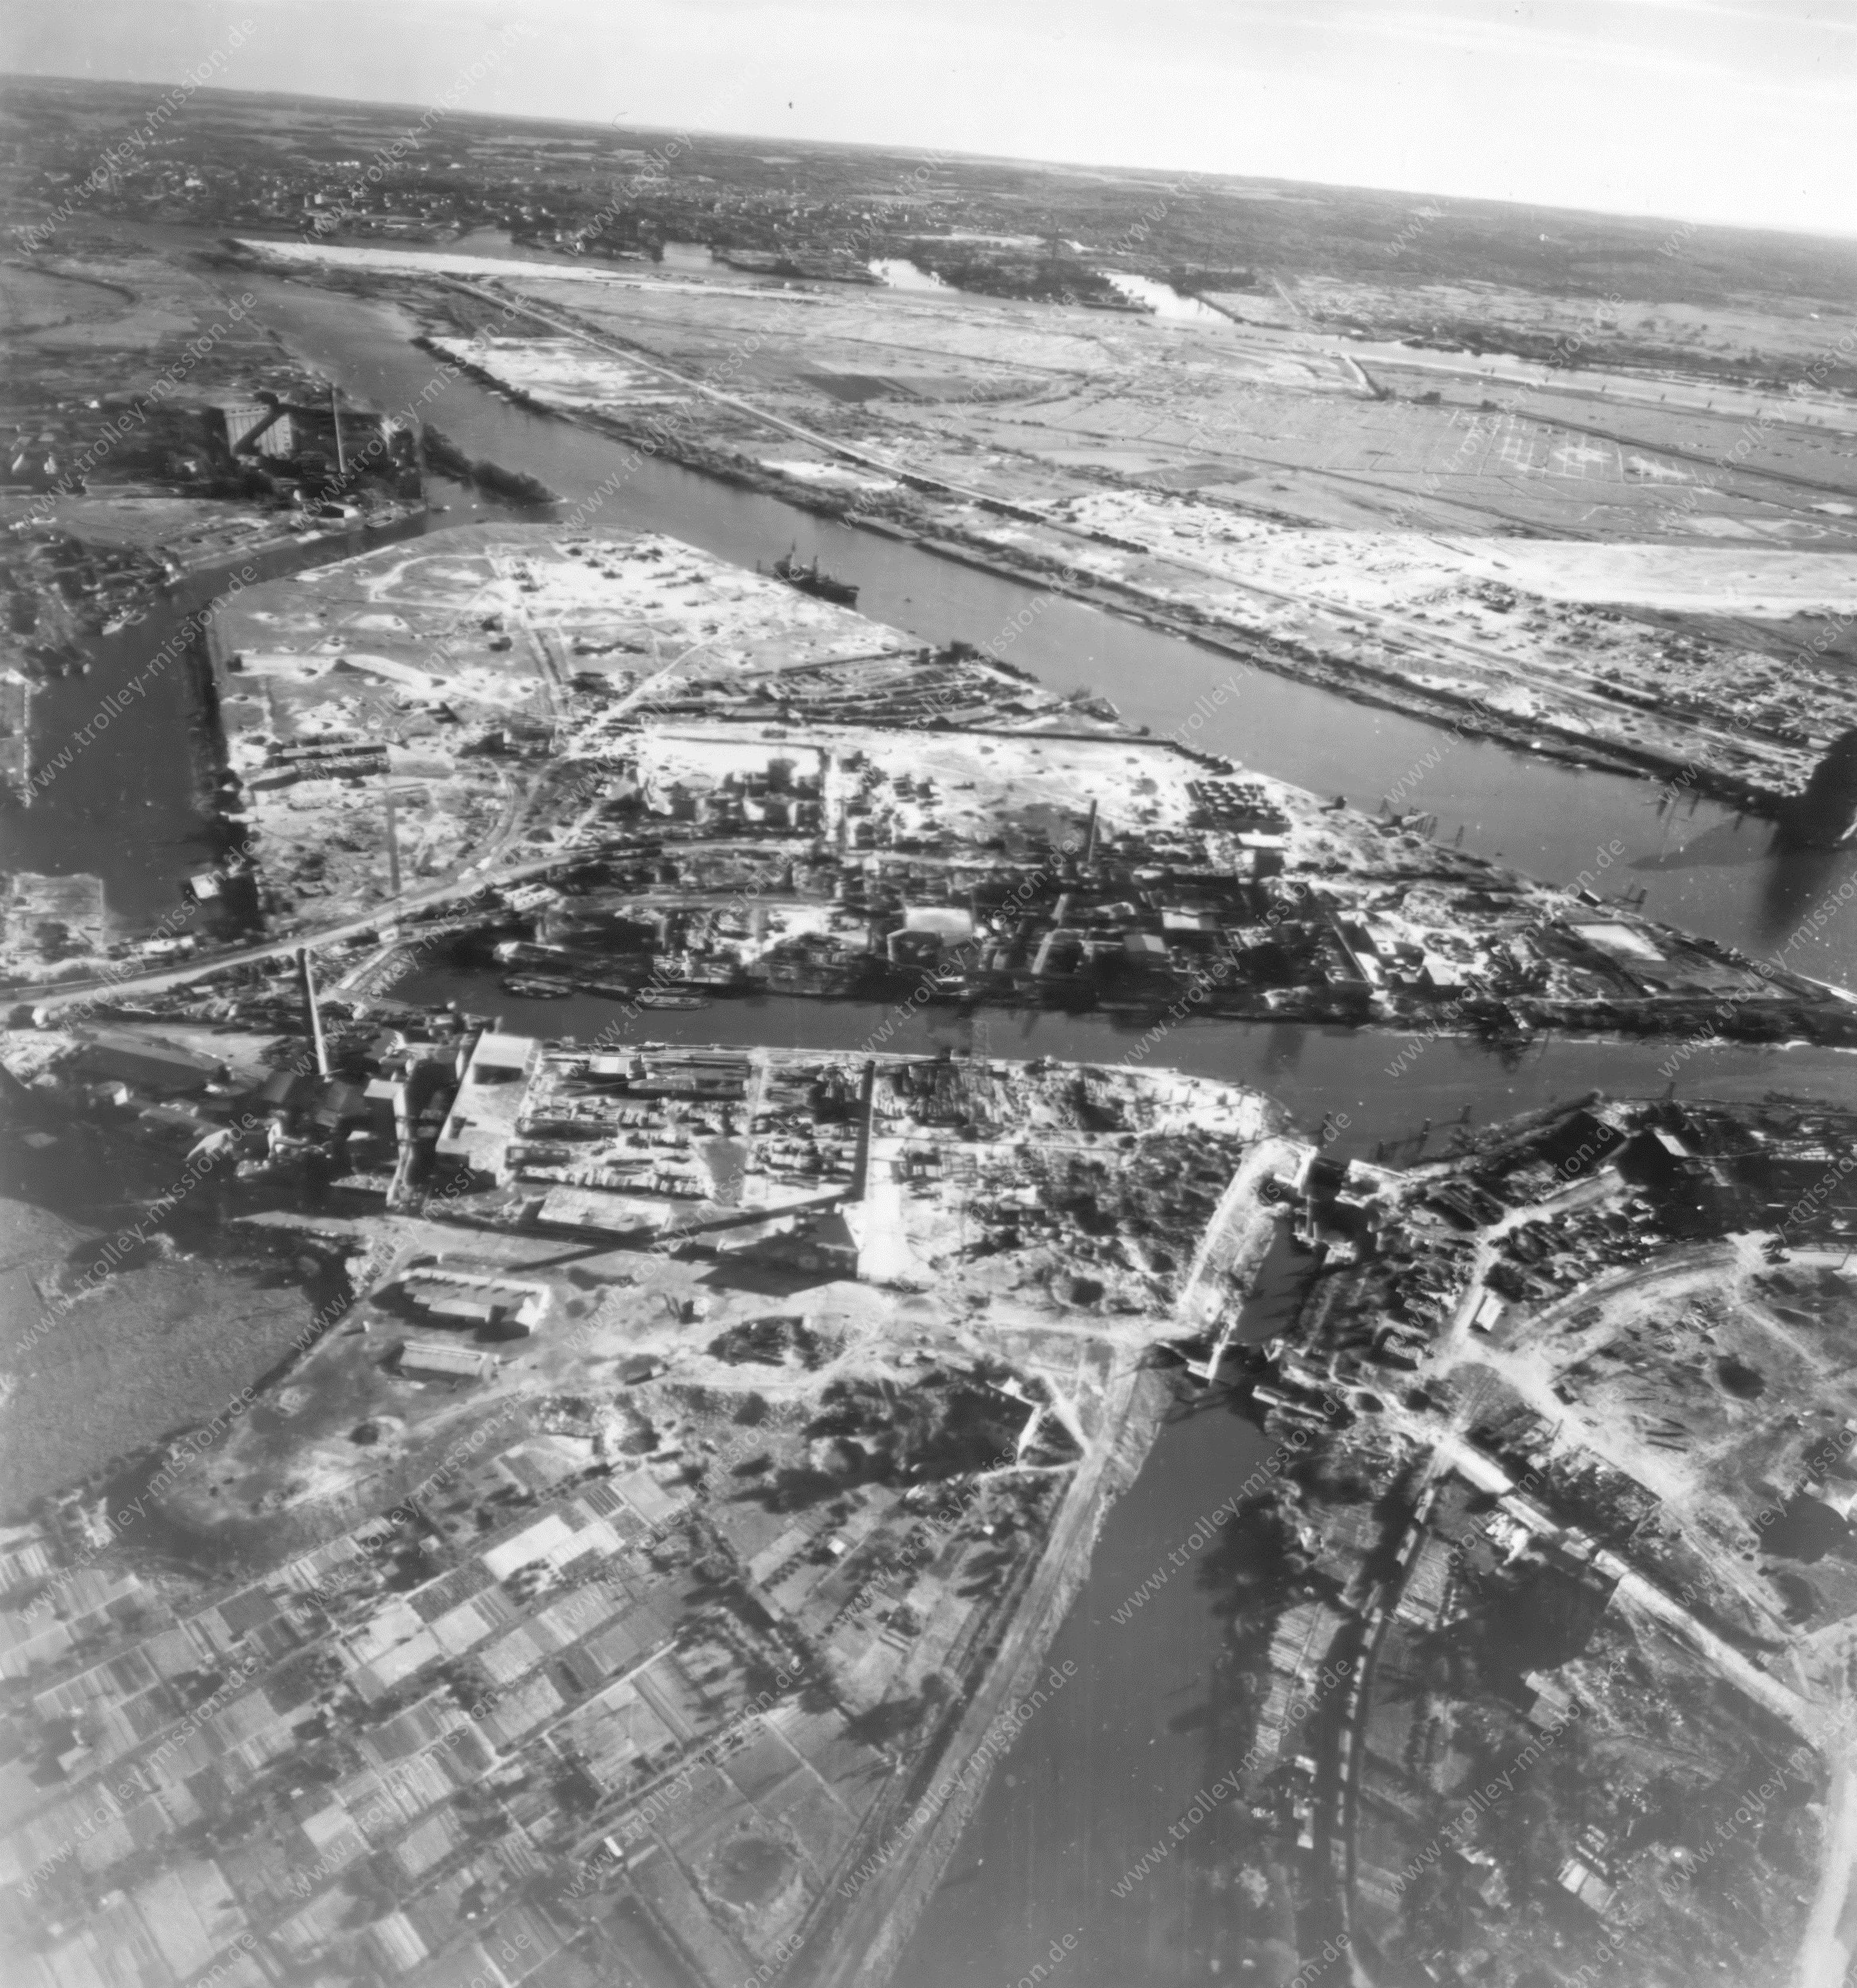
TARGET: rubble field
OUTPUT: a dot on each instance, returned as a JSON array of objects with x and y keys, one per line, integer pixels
[
  {"x": 1571, "y": 1505},
  {"x": 618, "y": 1566},
  {"x": 714, "y": 782}
]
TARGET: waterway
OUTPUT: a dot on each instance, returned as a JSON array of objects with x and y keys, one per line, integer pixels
[
  {"x": 496, "y": 242},
  {"x": 1116, "y": 1757},
  {"x": 131, "y": 804},
  {"x": 1704, "y": 868},
  {"x": 690, "y": 259},
  {"x": 902, "y": 275},
  {"x": 1372, "y": 1093},
  {"x": 1164, "y": 301},
  {"x": 1149, "y": 1716},
  {"x": 1151, "y": 1713}
]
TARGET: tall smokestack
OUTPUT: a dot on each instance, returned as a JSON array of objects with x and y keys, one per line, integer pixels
[
  {"x": 860, "y": 1165},
  {"x": 341, "y": 458},
  {"x": 393, "y": 839},
  {"x": 303, "y": 967}
]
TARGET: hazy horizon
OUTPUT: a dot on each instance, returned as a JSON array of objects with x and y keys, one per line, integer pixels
[
  {"x": 1697, "y": 111},
  {"x": 1104, "y": 167}
]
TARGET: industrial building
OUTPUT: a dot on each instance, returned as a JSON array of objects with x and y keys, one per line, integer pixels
[{"x": 482, "y": 1123}]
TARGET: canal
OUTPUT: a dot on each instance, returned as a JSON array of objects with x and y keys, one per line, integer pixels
[
  {"x": 1154, "y": 1709},
  {"x": 132, "y": 802},
  {"x": 1704, "y": 868},
  {"x": 1152, "y": 1712}
]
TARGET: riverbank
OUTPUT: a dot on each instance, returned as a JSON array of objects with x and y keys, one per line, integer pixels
[
  {"x": 128, "y": 732},
  {"x": 1477, "y": 1380},
  {"x": 445, "y": 456},
  {"x": 921, "y": 828},
  {"x": 1624, "y": 665},
  {"x": 671, "y": 1431},
  {"x": 951, "y": 1786},
  {"x": 1215, "y": 1289},
  {"x": 1707, "y": 871},
  {"x": 1462, "y": 715}
]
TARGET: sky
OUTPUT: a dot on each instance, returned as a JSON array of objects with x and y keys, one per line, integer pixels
[{"x": 1730, "y": 111}]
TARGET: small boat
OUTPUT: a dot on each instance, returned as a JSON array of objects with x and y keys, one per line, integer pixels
[
  {"x": 672, "y": 1000},
  {"x": 530, "y": 987},
  {"x": 810, "y": 579}
]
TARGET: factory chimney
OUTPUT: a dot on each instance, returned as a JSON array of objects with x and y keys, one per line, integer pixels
[
  {"x": 860, "y": 1165},
  {"x": 315, "y": 1014},
  {"x": 341, "y": 458},
  {"x": 393, "y": 839}
]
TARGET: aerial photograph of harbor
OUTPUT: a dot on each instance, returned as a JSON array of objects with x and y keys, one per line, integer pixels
[{"x": 928, "y": 994}]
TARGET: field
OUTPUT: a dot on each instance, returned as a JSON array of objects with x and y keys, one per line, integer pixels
[{"x": 689, "y": 1587}]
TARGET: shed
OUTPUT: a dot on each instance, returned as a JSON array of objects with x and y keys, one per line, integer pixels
[{"x": 433, "y": 1357}]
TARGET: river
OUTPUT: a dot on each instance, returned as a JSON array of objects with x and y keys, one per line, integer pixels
[
  {"x": 899, "y": 273},
  {"x": 131, "y": 806},
  {"x": 1356, "y": 1076},
  {"x": 1164, "y": 301},
  {"x": 1114, "y": 1758},
  {"x": 1705, "y": 869},
  {"x": 1150, "y": 1714}
]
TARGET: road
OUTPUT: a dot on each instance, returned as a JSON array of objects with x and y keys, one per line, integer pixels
[
  {"x": 58, "y": 995},
  {"x": 1697, "y": 1269},
  {"x": 632, "y": 355},
  {"x": 1810, "y": 1721},
  {"x": 1825, "y": 1952}
]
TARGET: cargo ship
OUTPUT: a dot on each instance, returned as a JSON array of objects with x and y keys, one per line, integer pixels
[
  {"x": 811, "y": 581},
  {"x": 607, "y": 989}
]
